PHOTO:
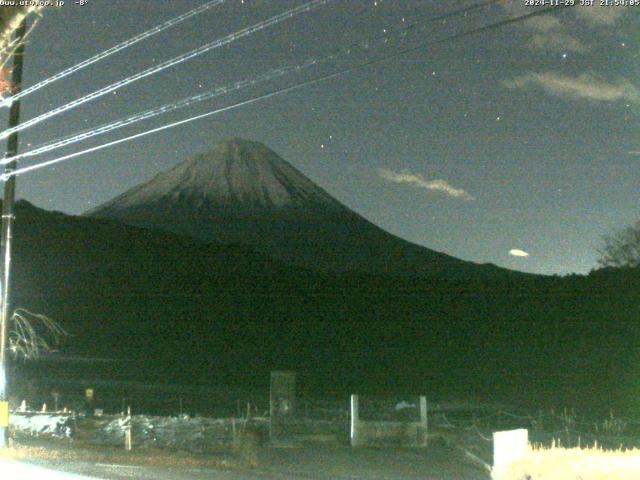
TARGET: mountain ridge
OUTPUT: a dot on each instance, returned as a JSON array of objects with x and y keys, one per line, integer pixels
[{"x": 242, "y": 192}]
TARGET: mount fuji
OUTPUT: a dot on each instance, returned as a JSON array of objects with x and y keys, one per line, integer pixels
[{"x": 241, "y": 192}]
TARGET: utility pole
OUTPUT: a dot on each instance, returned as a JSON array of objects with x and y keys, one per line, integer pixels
[{"x": 5, "y": 240}]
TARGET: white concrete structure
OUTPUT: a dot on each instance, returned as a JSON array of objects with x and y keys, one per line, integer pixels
[{"x": 508, "y": 447}]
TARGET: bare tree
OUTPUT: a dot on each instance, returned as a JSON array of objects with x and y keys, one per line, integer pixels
[
  {"x": 32, "y": 334},
  {"x": 622, "y": 248},
  {"x": 10, "y": 20}
]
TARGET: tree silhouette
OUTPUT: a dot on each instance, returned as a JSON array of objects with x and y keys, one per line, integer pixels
[
  {"x": 32, "y": 334},
  {"x": 622, "y": 248}
]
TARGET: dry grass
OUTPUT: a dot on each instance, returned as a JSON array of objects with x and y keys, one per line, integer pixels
[
  {"x": 556, "y": 463},
  {"x": 246, "y": 448}
]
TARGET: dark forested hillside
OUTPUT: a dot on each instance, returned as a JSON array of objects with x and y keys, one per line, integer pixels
[{"x": 172, "y": 309}]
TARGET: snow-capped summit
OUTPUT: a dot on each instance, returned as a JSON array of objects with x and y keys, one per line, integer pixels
[
  {"x": 242, "y": 192},
  {"x": 237, "y": 174}
]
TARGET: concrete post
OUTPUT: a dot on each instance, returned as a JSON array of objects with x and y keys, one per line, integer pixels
[
  {"x": 424, "y": 426},
  {"x": 355, "y": 421},
  {"x": 282, "y": 405},
  {"x": 128, "y": 443}
]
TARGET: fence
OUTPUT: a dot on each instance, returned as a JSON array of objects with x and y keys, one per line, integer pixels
[
  {"x": 150, "y": 399},
  {"x": 198, "y": 435},
  {"x": 318, "y": 415},
  {"x": 382, "y": 432}
]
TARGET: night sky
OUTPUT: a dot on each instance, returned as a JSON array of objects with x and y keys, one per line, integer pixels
[{"x": 518, "y": 146}]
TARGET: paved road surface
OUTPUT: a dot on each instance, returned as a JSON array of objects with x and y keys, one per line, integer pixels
[
  {"x": 23, "y": 471},
  {"x": 309, "y": 463}
]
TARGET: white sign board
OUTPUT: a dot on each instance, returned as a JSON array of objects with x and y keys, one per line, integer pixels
[{"x": 508, "y": 447}]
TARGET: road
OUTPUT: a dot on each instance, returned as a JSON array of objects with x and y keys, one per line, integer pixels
[
  {"x": 308, "y": 463},
  {"x": 18, "y": 470}
]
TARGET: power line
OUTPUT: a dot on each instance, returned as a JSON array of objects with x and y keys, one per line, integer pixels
[
  {"x": 167, "y": 64},
  {"x": 281, "y": 91},
  {"x": 110, "y": 51},
  {"x": 185, "y": 102},
  {"x": 37, "y": 166},
  {"x": 275, "y": 73}
]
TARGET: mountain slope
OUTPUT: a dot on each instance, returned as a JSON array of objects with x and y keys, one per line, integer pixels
[
  {"x": 242, "y": 192},
  {"x": 173, "y": 309}
]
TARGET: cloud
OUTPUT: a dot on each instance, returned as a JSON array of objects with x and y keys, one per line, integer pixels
[
  {"x": 633, "y": 152},
  {"x": 549, "y": 34},
  {"x": 552, "y": 34},
  {"x": 544, "y": 24},
  {"x": 556, "y": 41},
  {"x": 420, "y": 182},
  {"x": 594, "y": 16},
  {"x": 584, "y": 86},
  {"x": 516, "y": 252},
  {"x": 597, "y": 16}
]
